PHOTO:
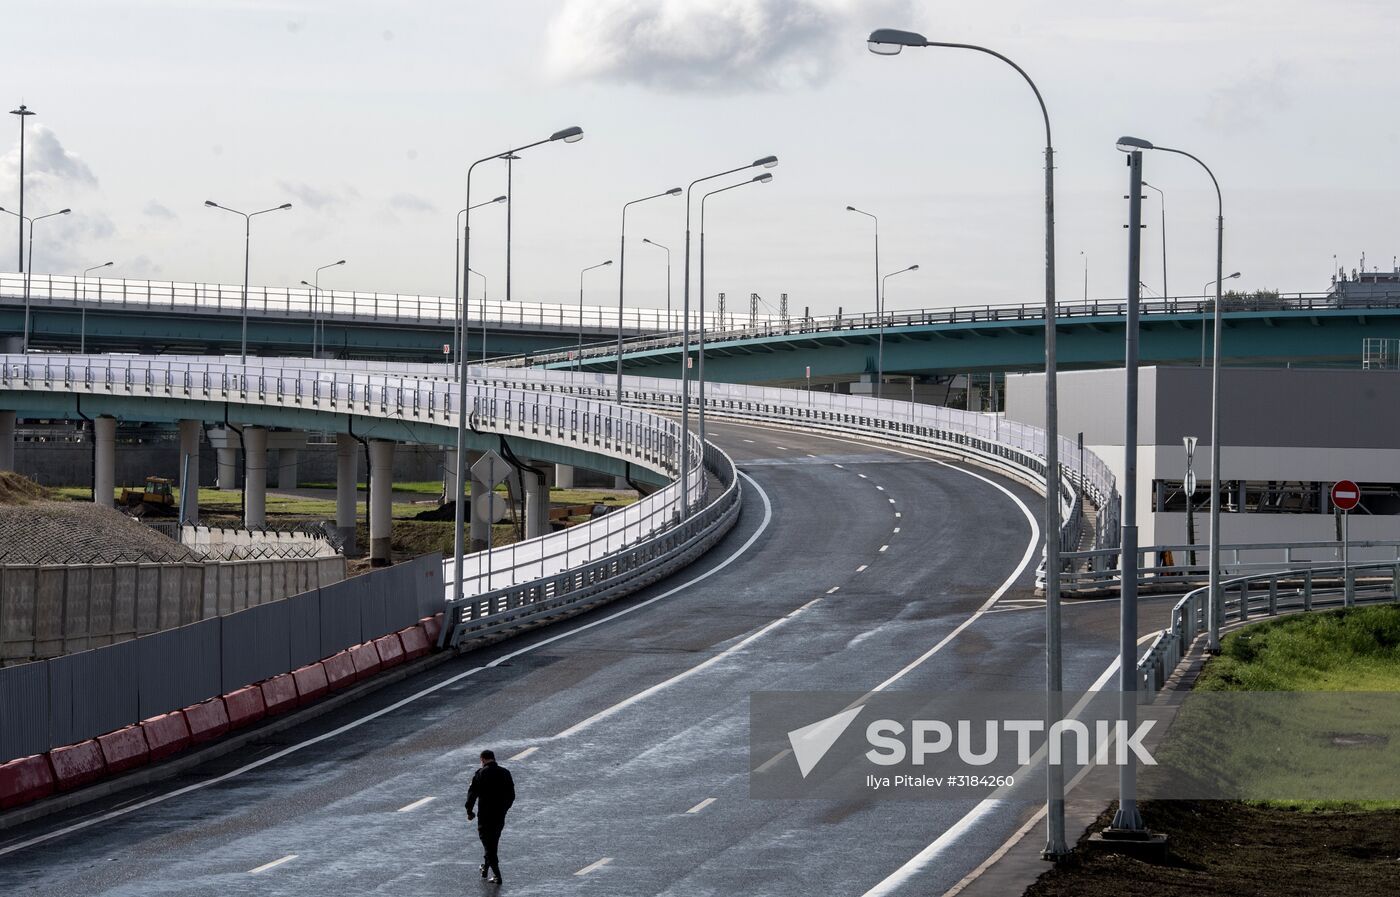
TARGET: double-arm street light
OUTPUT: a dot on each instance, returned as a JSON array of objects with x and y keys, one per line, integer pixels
[
  {"x": 567, "y": 135},
  {"x": 23, "y": 112},
  {"x": 316, "y": 305},
  {"x": 887, "y": 42},
  {"x": 876, "y": 221},
  {"x": 668, "y": 277},
  {"x": 1213, "y": 599},
  {"x": 459, "y": 326},
  {"x": 1208, "y": 285},
  {"x": 880, "y": 314},
  {"x": 82, "y": 327},
  {"x": 29, "y": 275},
  {"x": 247, "y": 243},
  {"x": 764, "y": 178},
  {"x": 578, "y": 360},
  {"x": 765, "y": 162},
  {"x": 622, "y": 274}
]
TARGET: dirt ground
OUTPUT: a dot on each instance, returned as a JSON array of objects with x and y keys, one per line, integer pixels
[
  {"x": 1243, "y": 850},
  {"x": 64, "y": 532}
]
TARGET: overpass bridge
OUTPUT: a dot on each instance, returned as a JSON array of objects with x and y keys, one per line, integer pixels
[{"x": 1299, "y": 329}]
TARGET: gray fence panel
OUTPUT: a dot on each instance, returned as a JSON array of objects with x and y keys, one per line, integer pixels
[
  {"x": 340, "y": 614},
  {"x": 272, "y": 650},
  {"x": 373, "y": 614},
  {"x": 92, "y": 692},
  {"x": 24, "y": 710},
  {"x": 304, "y": 628},
  {"x": 238, "y": 666},
  {"x": 178, "y": 667},
  {"x": 428, "y": 588}
]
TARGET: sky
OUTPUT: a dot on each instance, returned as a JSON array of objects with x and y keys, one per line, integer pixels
[{"x": 365, "y": 116}]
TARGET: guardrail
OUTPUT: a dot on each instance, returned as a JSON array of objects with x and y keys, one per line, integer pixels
[
  {"x": 100, "y": 293},
  {"x": 975, "y": 314},
  {"x": 1259, "y": 595}
]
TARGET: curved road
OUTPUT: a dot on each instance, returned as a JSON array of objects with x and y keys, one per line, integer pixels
[{"x": 627, "y": 728}]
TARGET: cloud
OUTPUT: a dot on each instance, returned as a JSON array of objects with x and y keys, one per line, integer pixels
[
  {"x": 1250, "y": 102},
  {"x": 48, "y": 167},
  {"x": 159, "y": 211},
  {"x": 408, "y": 202},
  {"x": 721, "y": 46},
  {"x": 317, "y": 199}
]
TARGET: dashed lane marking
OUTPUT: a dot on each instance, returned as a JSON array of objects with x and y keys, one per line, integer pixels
[
  {"x": 702, "y": 805},
  {"x": 272, "y": 865},
  {"x": 593, "y": 867},
  {"x": 416, "y": 804},
  {"x": 522, "y": 755}
]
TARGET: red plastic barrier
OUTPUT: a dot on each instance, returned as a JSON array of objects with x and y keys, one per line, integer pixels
[
  {"x": 124, "y": 749},
  {"x": 24, "y": 780},
  {"x": 340, "y": 670},
  {"x": 166, "y": 734},
  {"x": 279, "y": 694},
  {"x": 76, "y": 765},
  {"x": 415, "y": 642},
  {"x": 207, "y": 720},
  {"x": 245, "y": 706},
  {"x": 432, "y": 627},
  {"x": 311, "y": 682},
  {"x": 366, "y": 659},
  {"x": 390, "y": 650}
]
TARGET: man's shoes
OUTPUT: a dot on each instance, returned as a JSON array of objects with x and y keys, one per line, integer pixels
[
  {"x": 483, "y": 870},
  {"x": 495, "y": 878}
]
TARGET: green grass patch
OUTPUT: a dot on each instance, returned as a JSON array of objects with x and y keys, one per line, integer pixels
[{"x": 1355, "y": 649}]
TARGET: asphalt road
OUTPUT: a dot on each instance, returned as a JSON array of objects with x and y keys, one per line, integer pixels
[{"x": 627, "y": 729}]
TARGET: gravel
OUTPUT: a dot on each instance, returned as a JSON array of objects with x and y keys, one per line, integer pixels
[{"x": 57, "y": 532}]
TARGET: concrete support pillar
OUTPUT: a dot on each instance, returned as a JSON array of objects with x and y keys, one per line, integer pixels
[
  {"x": 254, "y": 477},
  {"x": 621, "y": 483},
  {"x": 287, "y": 469},
  {"x": 381, "y": 500},
  {"x": 189, "y": 448},
  {"x": 346, "y": 483},
  {"x": 564, "y": 476},
  {"x": 104, "y": 472},
  {"x": 228, "y": 469},
  {"x": 7, "y": 440},
  {"x": 536, "y": 504}
]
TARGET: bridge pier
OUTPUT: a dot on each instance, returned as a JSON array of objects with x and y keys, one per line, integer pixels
[
  {"x": 7, "y": 440},
  {"x": 227, "y": 468},
  {"x": 254, "y": 477},
  {"x": 381, "y": 501},
  {"x": 104, "y": 468},
  {"x": 189, "y": 448},
  {"x": 346, "y": 484},
  {"x": 536, "y": 489},
  {"x": 564, "y": 476},
  {"x": 287, "y": 468}
]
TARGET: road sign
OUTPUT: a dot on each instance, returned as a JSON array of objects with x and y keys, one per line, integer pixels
[
  {"x": 491, "y": 469},
  {"x": 1346, "y": 495},
  {"x": 1190, "y": 442},
  {"x": 1191, "y": 483},
  {"x": 491, "y": 506},
  {"x": 446, "y": 349}
]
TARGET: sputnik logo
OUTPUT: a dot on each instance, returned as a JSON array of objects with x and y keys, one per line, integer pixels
[{"x": 810, "y": 743}]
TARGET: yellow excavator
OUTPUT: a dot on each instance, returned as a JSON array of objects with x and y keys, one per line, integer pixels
[{"x": 156, "y": 500}]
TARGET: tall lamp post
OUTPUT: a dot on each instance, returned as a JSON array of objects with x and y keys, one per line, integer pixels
[
  {"x": 23, "y": 112},
  {"x": 877, "y": 274},
  {"x": 1086, "y": 274},
  {"x": 483, "y": 315},
  {"x": 622, "y": 275},
  {"x": 764, "y": 178},
  {"x": 887, "y": 42},
  {"x": 29, "y": 275},
  {"x": 82, "y": 327},
  {"x": 247, "y": 244},
  {"x": 668, "y": 277},
  {"x": 568, "y": 135},
  {"x": 459, "y": 327},
  {"x": 510, "y": 160},
  {"x": 316, "y": 305},
  {"x": 578, "y": 359},
  {"x": 765, "y": 162},
  {"x": 880, "y": 312},
  {"x": 1208, "y": 285},
  {"x": 1213, "y": 602},
  {"x": 1162, "y": 204}
]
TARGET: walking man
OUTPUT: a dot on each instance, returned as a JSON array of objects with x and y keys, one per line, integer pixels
[{"x": 491, "y": 793}]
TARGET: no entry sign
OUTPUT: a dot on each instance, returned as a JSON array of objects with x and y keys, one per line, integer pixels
[{"x": 1346, "y": 495}]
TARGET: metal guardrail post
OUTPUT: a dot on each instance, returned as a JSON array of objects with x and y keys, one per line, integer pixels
[
  {"x": 1307, "y": 591},
  {"x": 1349, "y": 588}
]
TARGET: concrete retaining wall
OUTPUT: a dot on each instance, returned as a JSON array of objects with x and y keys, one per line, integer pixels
[{"x": 53, "y": 610}]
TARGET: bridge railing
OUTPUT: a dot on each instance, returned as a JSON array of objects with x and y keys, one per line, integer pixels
[{"x": 101, "y": 293}]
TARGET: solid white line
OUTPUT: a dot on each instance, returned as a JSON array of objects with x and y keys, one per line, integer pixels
[
  {"x": 833, "y": 590},
  {"x": 592, "y": 866},
  {"x": 763, "y": 767},
  {"x": 862, "y": 568},
  {"x": 273, "y": 865},
  {"x": 404, "y": 702},
  {"x": 416, "y": 804},
  {"x": 522, "y": 755},
  {"x": 702, "y": 805}
]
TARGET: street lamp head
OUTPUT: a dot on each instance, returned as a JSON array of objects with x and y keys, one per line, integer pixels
[
  {"x": 608, "y": 262},
  {"x": 568, "y": 135},
  {"x": 105, "y": 265},
  {"x": 763, "y": 178},
  {"x": 22, "y": 110},
  {"x": 305, "y": 284},
  {"x": 766, "y": 162},
  {"x": 913, "y": 268},
  {"x": 674, "y": 191},
  {"x": 1232, "y": 276},
  {"x": 211, "y": 204},
  {"x": 1133, "y": 144},
  {"x": 285, "y": 205},
  {"x": 889, "y": 41},
  {"x": 64, "y": 211},
  {"x": 501, "y": 198},
  {"x": 341, "y": 262}
]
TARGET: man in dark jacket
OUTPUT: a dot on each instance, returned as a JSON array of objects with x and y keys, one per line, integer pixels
[{"x": 491, "y": 793}]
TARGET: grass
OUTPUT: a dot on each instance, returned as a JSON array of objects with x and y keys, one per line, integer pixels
[{"x": 1356, "y": 649}]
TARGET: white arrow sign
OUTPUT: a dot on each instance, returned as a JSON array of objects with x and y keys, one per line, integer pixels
[{"x": 810, "y": 743}]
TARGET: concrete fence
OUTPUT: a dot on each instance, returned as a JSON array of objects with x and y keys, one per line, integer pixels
[{"x": 53, "y": 610}]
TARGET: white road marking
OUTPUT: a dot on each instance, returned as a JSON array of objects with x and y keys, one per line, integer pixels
[
  {"x": 594, "y": 866},
  {"x": 273, "y": 865},
  {"x": 810, "y": 455},
  {"x": 702, "y": 805},
  {"x": 898, "y": 514},
  {"x": 839, "y": 466},
  {"x": 416, "y": 804},
  {"x": 891, "y": 501},
  {"x": 833, "y": 590},
  {"x": 862, "y": 568},
  {"x": 522, "y": 755},
  {"x": 404, "y": 702},
  {"x": 881, "y": 488},
  {"x": 896, "y": 529},
  {"x": 781, "y": 448},
  {"x": 763, "y": 767},
  {"x": 884, "y": 548},
  {"x": 862, "y": 476},
  {"x": 750, "y": 441}
]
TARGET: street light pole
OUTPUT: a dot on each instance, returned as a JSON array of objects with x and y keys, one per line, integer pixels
[
  {"x": 879, "y": 373},
  {"x": 1214, "y": 603},
  {"x": 880, "y": 311},
  {"x": 765, "y": 162},
  {"x": 568, "y": 135},
  {"x": 1208, "y": 285},
  {"x": 247, "y": 247},
  {"x": 1086, "y": 274},
  {"x": 622, "y": 275},
  {"x": 578, "y": 362},
  {"x": 459, "y": 326},
  {"x": 316, "y": 304},
  {"x": 23, "y": 112},
  {"x": 29, "y": 275},
  {"x": 668, "y": 278},
  {"x": 511, "y": 159},
  {"x": 1162, "y": 204},
  {"x": 888, "y": 41},
  {"x": 82, "y": 327}
]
